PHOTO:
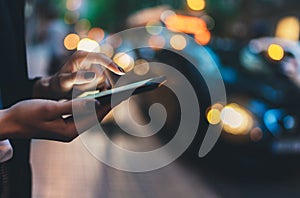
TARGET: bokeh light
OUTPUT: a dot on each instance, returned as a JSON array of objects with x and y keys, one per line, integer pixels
[
  {"x": 73, "y": 5},
  {"x": 272, "y": 120},
  {"x": 124, "y": 60},
  {"x": 154, "y": 28},
  {"x": 203, "y": 37},
  {"x": 156, "y": 42},
  {"x": 256, "y": 134},
  {"x": 186, "y": 24},
  {"x": 210, "y": 22},
  {"x": 288, "y": 28},
  {"x": 236, "y": 119},
  {"x": 96, "y": 34},
  {"x": 115, "y": 41},
  {"x": 144, "y": 16},
  {"x": 213, "y": 116},
  {"x": 82, "y": 26},
  {"x": 71, "y": 41},
  {"x": 107, "y": 49},
  {"x": 71, "y": 17},
  {"x": 189, "y": 25},
  {"x": 178, "y": 42},
  {"x": 196, "y": 4},
  {"x": 166, "y": 14},
  {"x": 88, "y": 45},
  {"x": 275, "y": 52},
  {"x": 141, "y": 67},
  {"x": 289, "y": 122},
  {"x": 217, "y": 106}
]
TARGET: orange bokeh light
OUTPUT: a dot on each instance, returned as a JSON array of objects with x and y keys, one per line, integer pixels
[
  {"x": 96, "y": 34},
  {"x": 202, "y": 37},
  {"x": 71, "y": 41},
  {"x": 186, "y": 24},
  {"x": 115, "y": 41},
  {"x": 156, "y": 42}
]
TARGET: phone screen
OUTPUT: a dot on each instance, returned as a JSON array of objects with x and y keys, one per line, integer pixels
[{"x": 123, "y": 91}]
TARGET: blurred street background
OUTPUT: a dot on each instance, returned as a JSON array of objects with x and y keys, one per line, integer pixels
[{"x": 255, "y": 46}]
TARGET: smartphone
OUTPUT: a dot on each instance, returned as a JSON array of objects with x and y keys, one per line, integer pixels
[{"x": 125, "y": 91}]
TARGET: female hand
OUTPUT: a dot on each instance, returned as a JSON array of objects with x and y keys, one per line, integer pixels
[
  {"x": 83, "y": 71},
  {"x": 43, "y": 119}
]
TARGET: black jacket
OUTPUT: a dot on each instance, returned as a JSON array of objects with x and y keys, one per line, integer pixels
[{"x": 15, "y": 86}]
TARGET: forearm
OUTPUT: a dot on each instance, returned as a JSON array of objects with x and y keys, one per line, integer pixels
[{"x": 7, "y": 128}]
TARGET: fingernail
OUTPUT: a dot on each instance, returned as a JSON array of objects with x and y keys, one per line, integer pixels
[
  {"x": 89, "y": 75},
  {"x": 121, "y": 69},
  {"x": 117, "y": 66}
]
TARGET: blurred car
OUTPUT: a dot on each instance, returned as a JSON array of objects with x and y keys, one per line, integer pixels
[{"x": 261, "y": 117}]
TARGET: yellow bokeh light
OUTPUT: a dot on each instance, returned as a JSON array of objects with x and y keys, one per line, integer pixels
[
  {"x": 196, "y": 4},
  {"x": 236, "y": 120},
  {"x": 288, "y": 28},
  {"x": 88, "y": 45},
  {"x": 124, "y": 60},
  {"x": 275, "y": 52},
  {"x": 213, "y": 116},
  {"x": 141, "y": 67},
  {"x": 178, "y": 42},
  {"x": 71, "y": 41}
]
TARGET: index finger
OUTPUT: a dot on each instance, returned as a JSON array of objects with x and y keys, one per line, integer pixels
[
  {"x": 80, "y": 106},
  {"x": 88, "y": 58}
]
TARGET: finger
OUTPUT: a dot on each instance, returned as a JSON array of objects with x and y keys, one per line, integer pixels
[
  {"x": 87, "y": 58},
  {"x": 100, "y": 83},
  {"x": 103, "y": 111},
  {"x": 83, "y": 123},
  {"x": 106, "y": 85},
  {"x": 68, "y": 80},
  {"x": 77, "y": 106},
  {"x": 59, "y": 130}
]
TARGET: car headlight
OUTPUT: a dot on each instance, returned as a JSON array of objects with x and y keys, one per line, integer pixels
[{"x": 235, "y": 119}]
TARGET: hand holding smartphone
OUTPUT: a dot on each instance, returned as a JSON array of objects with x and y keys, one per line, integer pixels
[{"x": 123, "y": 92}]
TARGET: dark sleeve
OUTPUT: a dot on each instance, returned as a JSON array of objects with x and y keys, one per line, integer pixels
[
  {"x": 14, "y": 82},
  {"x": 15, "y": 86}
]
